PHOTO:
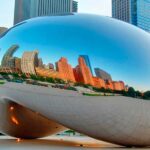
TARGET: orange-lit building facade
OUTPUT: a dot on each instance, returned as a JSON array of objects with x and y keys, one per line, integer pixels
[
  {"x": 119, "y": 85},
  {"x": 82, "y": 73},
  {"x": 99, "y": 83},
  {"x": 65, "y": 70},
  {"x": 47, "y": 73},
  {"x": 109, "y": 85}
]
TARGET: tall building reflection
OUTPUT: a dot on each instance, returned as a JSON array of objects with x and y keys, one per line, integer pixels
[
  {"x": 87, "y": 61},
  {"x": 102, "y": 74},
  {"x": 8, "y": 60},
  {"x": 29, "y": 61},
  {"x": 65, "y": 70},
  {"x": 83, "y": 73}
]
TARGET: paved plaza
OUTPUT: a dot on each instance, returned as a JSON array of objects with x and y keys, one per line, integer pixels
[{"x": 58, "y": 143}]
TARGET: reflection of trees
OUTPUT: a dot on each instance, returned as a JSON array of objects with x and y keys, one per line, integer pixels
[
  {"x": 47, "y": 79},
  {"x": 147, "y": 95},
  {"x": 138, "y": 94},
  {"x": 131, "y": 92}
]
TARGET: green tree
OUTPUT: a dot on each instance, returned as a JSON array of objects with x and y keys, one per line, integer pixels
[
  {"x": 124, "y": 93},
  {"x": 102, "y": 89},
  {"x": 23, "y": 76},
  {"x": 108, "y": 91},
  {"x": 70, "y": 132},
  {"x": 60, "y": 81},
  {"x": 131, "y": 92},
  {"x": 147, "y": 95},
  {"x": 3, "y": 73},
  {"x": 33, "y": 77},
  {"x": 138, "y": 94},
  {"x": 15, "y": 75},
  {"x": 96, "y": 89},
  {"x": 50, "y": 80},
  {"x": 41, "y": 78}
]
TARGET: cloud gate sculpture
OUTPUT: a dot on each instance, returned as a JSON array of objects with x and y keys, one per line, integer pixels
[{"x": 49, "y": 57}]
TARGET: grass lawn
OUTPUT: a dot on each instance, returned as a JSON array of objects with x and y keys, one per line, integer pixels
[
  {"x": 91, "y": 94},
  {"x": 98, "y": 94}
]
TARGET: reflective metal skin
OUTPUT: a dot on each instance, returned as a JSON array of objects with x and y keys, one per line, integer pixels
[
  {"x": 114, "y": 46},
  {"x": 21, "y": 122}
]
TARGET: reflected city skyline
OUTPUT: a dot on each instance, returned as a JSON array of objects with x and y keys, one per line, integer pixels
[
  {"x": 68, "y": 36},
  {"x": 29, "y": 64}
]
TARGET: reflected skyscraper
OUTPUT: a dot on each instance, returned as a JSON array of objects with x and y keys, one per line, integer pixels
[
  {"x": 7, "y": 58},
  {"x": 26, "y": 9},
  {"x": 136, "y": 12},
  {"x": 29, "y": 62},
  {"x": 87, "y": 61},
  {"x": 102, "y": 74},
  {"x": 40, "y": 63},
  {"x": 82, "y": 72},
  {"x": 65, "y": 70}
]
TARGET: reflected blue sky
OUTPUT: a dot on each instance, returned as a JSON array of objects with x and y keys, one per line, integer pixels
[{"x": 114, "y": 46}]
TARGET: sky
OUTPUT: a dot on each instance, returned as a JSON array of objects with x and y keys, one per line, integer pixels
[{"x": 101, "y": 7}]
